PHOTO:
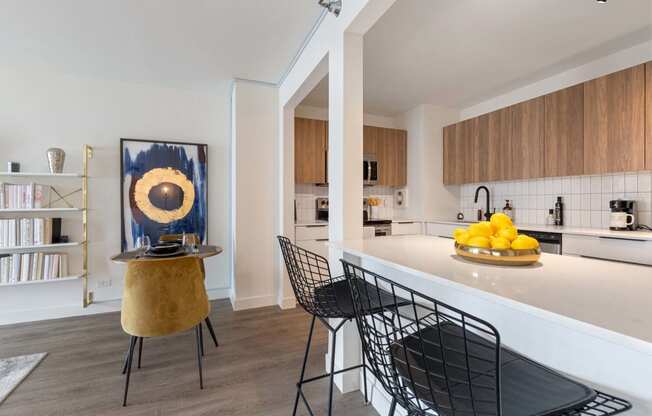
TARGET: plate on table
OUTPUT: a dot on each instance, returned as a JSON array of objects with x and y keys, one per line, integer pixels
[{"x": 165, "y": 250}]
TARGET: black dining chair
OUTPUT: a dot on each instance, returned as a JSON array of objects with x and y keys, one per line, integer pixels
[
  {"x": 435, "y": 359},
  {"x": 324, "y": 297}
]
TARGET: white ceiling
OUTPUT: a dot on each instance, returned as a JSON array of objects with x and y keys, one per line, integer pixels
[
  {"x": 181, "y": 43},
  {"x": 460, "y": 52}
]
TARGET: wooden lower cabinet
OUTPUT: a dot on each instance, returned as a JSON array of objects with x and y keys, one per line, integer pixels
[{"x": 614, "y": 122}]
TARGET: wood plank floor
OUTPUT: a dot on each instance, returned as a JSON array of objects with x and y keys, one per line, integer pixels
[{"x": 253, "y": 372}]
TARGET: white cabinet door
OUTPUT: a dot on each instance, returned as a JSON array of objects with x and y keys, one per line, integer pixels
[
  {"x": 319, "y": 247},
  {"x": 441, "y": 230},
  {"x": 407, "y": 228},
  {"x": 630, "y": 250},
  {"x": 311, "y": 232}
]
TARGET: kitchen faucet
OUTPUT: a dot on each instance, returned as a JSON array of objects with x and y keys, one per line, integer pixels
[{"x": 487, "y": 214}]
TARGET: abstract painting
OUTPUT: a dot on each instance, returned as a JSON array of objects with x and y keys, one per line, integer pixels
[{"x": 163, "y": 189}]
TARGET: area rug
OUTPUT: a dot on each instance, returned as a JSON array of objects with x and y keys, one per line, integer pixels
[{"x": 16, "y": 369}]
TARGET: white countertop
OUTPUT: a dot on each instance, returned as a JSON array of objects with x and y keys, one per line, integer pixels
[
  {"x": 316, "y": 223},
  {"x": 594, "y": 232},
  {"x": 609, "y": 296}
]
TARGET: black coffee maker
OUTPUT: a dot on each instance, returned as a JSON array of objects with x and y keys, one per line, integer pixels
[{"x": 622, "y": 216}]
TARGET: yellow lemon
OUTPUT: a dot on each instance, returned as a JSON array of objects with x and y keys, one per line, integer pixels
[
  {"x": 500, "y": 243},
  {"x": 509, "y": 232},
  {"x": 462, "y": 238},
  {"x": 458, "y": 231},
  {"x": 523, "y": 242},
  {"x": 500, "y": 221},
  {"x": 481, "y": 229},
  {"x": 478, "y": 241}
]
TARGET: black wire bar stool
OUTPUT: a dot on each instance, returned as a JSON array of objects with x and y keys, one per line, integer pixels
[
  {"x": 324, "y": 297},
  {"x": 434, "y": 359}
]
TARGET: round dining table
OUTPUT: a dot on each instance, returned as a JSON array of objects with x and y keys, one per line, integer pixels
[{"x": 203, "y": 251}]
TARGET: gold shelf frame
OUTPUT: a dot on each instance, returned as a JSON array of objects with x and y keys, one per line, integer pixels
[{"x": 87, "y": 295}]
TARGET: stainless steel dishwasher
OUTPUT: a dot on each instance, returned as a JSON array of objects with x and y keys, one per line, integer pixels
[{"x": 549, "y": 242}]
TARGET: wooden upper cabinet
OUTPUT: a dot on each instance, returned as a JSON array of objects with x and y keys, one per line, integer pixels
[
  {"x": 614, "y": 126},
  {"x": 527, "y": 140},
  {"x": 310, "y": 144},
  {"x": 648, "y": 115},
  {"x": 499, "y": 141},
  {"x": 399, "y": 158},
  {"x": 389, "y": 147},
  {"x": 448, "y": 158},
  {"x": 564, "y": 132}
]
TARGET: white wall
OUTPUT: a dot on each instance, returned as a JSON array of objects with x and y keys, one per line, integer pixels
[
  {"x": 254, "y": 195},
  {"x": 428, "y": 197},
  {"x": 44, "y": 109},
  {"x": 611, "y": 63}
]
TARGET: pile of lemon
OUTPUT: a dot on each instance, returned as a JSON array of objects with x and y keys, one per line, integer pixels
[{"x": 499, "y": 234}]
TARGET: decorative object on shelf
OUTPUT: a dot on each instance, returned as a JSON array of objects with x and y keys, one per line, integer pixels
[
  {"x": 56, "y": 157},
  {"x": 13, "y": 167},
  {"x": 163, "y": 189},
  {"x": 373, "y": 203}
]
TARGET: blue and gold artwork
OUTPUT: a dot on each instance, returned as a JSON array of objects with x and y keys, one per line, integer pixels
[{"x": 163, "y": 187}]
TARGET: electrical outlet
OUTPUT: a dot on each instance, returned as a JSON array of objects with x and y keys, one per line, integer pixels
[{"x": 104, "y": 283}]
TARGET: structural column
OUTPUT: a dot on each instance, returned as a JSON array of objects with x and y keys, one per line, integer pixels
[{"x": 345, "y": 113}]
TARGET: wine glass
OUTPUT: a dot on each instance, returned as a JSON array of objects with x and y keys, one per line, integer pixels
[
  {"x": 143, "y": 243},
  {"x": 189, "y": 242}
]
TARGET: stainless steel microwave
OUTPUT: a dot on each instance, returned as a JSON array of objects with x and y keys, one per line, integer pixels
[{"x": 370, "y": 170}]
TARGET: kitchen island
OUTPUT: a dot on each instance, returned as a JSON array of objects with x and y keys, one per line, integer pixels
[{"x": 590, "y": 319}]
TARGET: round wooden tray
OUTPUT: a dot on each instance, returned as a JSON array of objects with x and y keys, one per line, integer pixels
[{"x": 506, "y": 257}]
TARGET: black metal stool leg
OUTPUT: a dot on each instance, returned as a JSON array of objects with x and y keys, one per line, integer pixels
[
  {"x": 199, "y": 353},
  {"x": 303, "y": 368},
  {"x": 332, "y": 374},
  {"x": 140, "y": 350},
  {"x": 201, "y": 339},
  {"x": 392, "y": 408},
  {"x": 132, "y": 345},
  {"x": 209, "y": 325},
  {"x": 364, "y": 378}
]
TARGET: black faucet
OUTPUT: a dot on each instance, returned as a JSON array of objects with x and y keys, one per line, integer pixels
[{"x": 487, "y": 214}]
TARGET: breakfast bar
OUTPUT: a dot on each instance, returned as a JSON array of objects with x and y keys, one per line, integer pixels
[{"x": 590, "y": 319}]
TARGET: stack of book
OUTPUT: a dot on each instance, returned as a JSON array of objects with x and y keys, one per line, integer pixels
[
  {"x": 21, "y": 232},
  {"x": 33, "y": 266},
  {"x": 24, "y": 196}
]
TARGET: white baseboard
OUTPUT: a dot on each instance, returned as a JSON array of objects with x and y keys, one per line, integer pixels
[
  {"x": 287, "y": 303},
  {"x": 252, "y": 302},
  {"x": 219, "y": 293}
]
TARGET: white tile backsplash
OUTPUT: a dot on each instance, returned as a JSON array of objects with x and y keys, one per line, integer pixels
[{"x": 586, "y": 198}]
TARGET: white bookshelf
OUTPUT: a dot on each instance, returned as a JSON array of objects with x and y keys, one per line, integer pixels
[
  {"x": 38, "y": 210},
  {"x": 39, "y": 247},
  {"x": 33, "y": 282},
  {"x": 41, "y": 174},
  {"x": 87, "y": 296}
]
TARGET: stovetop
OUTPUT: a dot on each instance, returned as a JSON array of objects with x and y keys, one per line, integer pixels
[{"x": 377, "y": 222}]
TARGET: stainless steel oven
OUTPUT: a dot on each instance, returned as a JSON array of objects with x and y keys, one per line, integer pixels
[{"x": 370, "y": 170}]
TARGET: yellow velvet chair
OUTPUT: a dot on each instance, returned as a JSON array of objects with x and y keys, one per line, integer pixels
[
  {"x": 162, "y": 297},
  {"x": 194, "y": 239}
]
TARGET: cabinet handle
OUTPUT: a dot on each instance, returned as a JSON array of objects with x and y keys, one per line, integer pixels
[
  {"x": 322, "y": 239},
  {"x": 315, "y": 226},
  {"x": 623, "y": 239},
  {"x": 405, "y": 222}
]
